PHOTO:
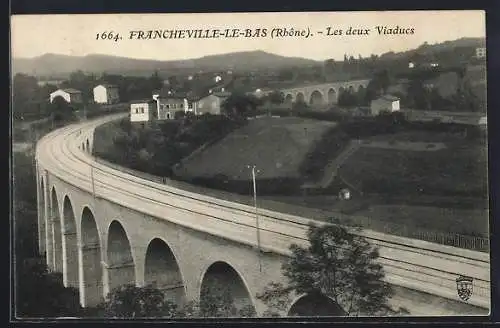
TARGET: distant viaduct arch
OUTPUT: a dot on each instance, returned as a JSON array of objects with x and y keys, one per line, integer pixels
[{"x": 322, "y": 94}]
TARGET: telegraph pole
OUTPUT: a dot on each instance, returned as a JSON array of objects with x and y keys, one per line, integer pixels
[
  {"x": 256, "y": 215},
  {"x": 92, "y": 180}
]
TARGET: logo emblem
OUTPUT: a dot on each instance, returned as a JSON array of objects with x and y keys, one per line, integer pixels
[{"x": 464, "y": 287}]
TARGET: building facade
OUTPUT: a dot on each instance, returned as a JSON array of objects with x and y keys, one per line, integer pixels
[
  {"x": 106, "y": 94},
  {"x": 70, "y": 95},
  {"x": 386, "y": 103},
  {"x": 211, "y": 104},
  {"x": 167, "y": 105},
  {"x": 143, "y": 111}
]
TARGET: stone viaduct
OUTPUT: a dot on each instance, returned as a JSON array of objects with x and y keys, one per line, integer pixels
[
  {"x": 103, "y": 228},
  {"x": 322, "y": 94}
]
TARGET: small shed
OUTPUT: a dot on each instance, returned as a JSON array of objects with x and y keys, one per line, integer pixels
[{"x": 385, "y": 103}]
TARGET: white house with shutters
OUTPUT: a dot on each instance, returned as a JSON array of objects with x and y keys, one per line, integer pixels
[
  {"x": 143, "y": 111},
  {"x": 69, "y": 94},
  {"x": 106, "y": 94}
]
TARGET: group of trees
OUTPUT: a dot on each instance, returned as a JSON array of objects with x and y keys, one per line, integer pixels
[
  {"x": 421, "y": 96},
  {"x": 29, "y": 100},
  {"x": 130, "y": 301},
  {"x": 156, "y": 147},
  {"x": 240, "y": 105}
]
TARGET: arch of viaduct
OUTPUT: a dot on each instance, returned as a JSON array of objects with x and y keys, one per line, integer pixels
[
  {"x": 100, "y": 237},
  {"x": 322, "y": 94}
]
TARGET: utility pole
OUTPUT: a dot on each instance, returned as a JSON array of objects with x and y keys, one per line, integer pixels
[
  {"x": 256, "y": 214},
  {"x": 92, "y": 180}
]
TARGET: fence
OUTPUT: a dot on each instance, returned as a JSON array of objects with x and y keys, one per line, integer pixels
[{"x": 476, "y": 243}]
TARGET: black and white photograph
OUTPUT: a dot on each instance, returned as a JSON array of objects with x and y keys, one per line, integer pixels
[{"x": 250, "y": 165}]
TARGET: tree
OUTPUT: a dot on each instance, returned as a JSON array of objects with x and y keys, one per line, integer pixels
[
  {"x": 275, "y": 98},
  {"x": 347, "y": 98},
  {"x": 240, "y": 105},
  {"x": 28, "y": 98},
  {"x": 378, "y": 85},
  {"x": 418, "y": 96},
  {"x": 339, "y": 265},
  {"x": 129, "y": 301},
  {"x": 299, "y": 106},
  {"x": 156, "y": 83},
  {"x": 329, "y": 67},
  {"x": 216, "y": 300},
  {"x": 61, "y": 110},
  {"x": 42, "y": 294}
]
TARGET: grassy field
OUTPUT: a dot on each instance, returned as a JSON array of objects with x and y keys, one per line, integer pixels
[
  {"x": 453, "y": 220},
  {"x": 460, "y": 171},
  {"x": 277, "y": 146},
  {"x": 442, "y": 190}
]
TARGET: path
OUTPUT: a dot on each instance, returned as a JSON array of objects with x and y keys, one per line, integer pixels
[{"x": 331, "y": 169}]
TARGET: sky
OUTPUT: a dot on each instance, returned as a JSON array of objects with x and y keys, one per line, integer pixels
[{"x": 35, "y": 35}]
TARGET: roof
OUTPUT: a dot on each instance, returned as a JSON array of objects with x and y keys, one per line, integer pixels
[
  {"x": 107, "y": 85},
  {"x": 69, "y": 90},
  {"x": 388, "y": 98},
  {"x": 166, "y": 93},
  {"x": 142, "y": 101}
]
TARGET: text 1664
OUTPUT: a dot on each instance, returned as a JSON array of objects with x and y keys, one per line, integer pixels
[{"x": 108, "y": 36}]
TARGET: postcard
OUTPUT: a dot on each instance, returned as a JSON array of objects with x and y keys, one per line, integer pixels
[{"x": 250, "y": 165}]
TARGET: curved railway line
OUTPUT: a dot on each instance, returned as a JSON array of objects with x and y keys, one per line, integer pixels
[{"x": 414, "y": 264}]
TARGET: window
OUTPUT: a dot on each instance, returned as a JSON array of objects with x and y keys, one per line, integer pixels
[
  {"x": 190, "y": 106},
  {"x": 182, "y": 105},
  {"x": 168, "y": 105},
  {"x": 142, "y": 110}
]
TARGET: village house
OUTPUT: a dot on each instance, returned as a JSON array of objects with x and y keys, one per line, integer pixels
[
  {"x": 106, "y": 94},
  {"x": 168, "y": 103},
  {"x": 385, "y": 103},
  {"x": 143, "y": 111},
  {"x": 69, "y": 94},
  {"x": 211, "y": 103}
]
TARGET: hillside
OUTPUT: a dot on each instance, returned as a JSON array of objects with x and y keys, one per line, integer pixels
[
  {"x": 276, "y": 146},
  {"x": 433, "y": 51},
  {"x": 61, "y": 65}
]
